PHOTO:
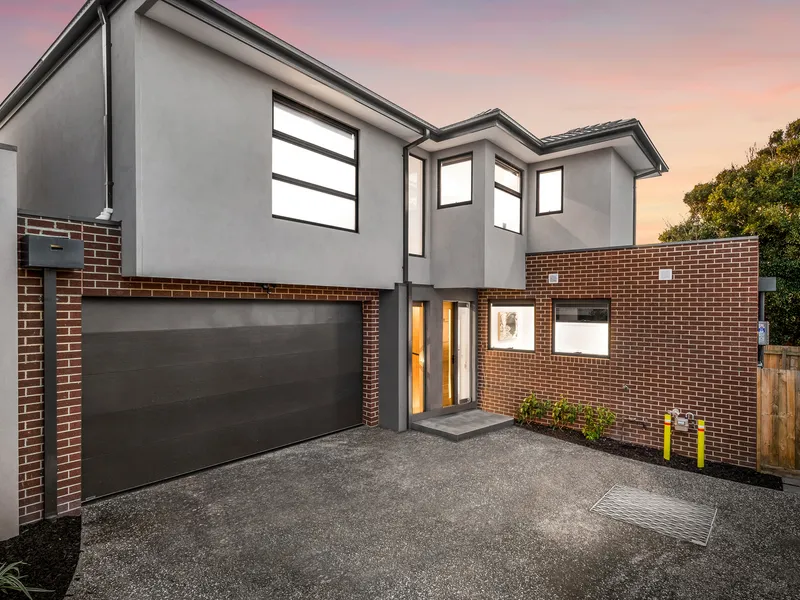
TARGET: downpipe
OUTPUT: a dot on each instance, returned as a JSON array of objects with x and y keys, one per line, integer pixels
[{"x": 108, "y": 210}]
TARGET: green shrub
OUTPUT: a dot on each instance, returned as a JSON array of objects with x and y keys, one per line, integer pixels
[
  {"x": 10, "y": 579},
  {"x": 564, "y": 413},
  {"x": 532, "y": 408},
  {"x": 596, "y": 421}
]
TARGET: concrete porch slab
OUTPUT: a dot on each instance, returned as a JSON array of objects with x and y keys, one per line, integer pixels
[{"x": 463, "y": 425}]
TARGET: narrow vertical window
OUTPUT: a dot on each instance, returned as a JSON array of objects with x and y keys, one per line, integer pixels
[
  {"x": 507, "y": 197},
  {"x": 550, "y": 191},
  {"x": 416, "y": 206}
]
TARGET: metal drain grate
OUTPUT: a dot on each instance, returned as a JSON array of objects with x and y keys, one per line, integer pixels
[{"x": 675, "y": 518}]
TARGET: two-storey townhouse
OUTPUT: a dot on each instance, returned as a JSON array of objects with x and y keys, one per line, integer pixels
[{"x": 274, "y": 252}]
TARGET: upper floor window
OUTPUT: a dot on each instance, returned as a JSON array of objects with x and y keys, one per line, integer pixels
[
  {"x": 455, "y": 180},
  {"x": 550, "y": 191},
  {"x": 581, "y": 327},
  {"x": 507, "y": 197},
  {"x": 416, "y": 206},
  {"x": 314, "y": 167}
]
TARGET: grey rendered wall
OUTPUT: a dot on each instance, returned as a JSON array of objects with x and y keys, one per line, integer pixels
[
  {"x": 124, "y": 29},
  {"x": 622, "y": 210},
  {"x": 586, "y": 219},
  {"x": 59, "y": 134},
  {"x": 419, "y": 268},
  {"x": 393, "y": 342},
  {"x": 204, "y": 184},
  {"x": 459, "y": 235},
  {"x": 504, "y": 250},
  {"x": 9, "y": 436}
]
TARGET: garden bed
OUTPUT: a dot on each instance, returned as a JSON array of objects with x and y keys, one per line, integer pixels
[
  {"x": 50, "y": 550},
  {"x": 655, "y": 456}
]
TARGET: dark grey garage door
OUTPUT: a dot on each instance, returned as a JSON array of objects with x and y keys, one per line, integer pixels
[{"x": 173, "y": 386}]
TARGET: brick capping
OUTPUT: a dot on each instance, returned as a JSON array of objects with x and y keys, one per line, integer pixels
[
  {"x": 101, "y": 277},
  {"x": 689, "y": 343},
  {"x": 650, "y": 245}
]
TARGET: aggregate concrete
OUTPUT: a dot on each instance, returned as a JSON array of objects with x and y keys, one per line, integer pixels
[{"x": 369, "y": 513}]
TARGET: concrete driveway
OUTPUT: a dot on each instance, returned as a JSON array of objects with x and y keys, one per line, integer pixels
[{"x": 372, "y": 514}]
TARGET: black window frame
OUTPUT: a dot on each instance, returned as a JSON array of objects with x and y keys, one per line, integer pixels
[
  {"x": 506, "y": 302},
  {"x": 499, "y": 186},
  {"x": 582, "y": 302},
  {"x": 424, "y": 202},
  {"x": 452, "y": 160},
  {"x": 539, "y": 213},
  {"x": 290, "y": 139}
]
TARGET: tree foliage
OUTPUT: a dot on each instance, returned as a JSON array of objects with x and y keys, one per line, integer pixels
[{"x": 761, "y": 197}]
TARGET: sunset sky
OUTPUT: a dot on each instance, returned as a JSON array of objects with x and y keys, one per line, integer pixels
[{"x": 707, "y": 79}]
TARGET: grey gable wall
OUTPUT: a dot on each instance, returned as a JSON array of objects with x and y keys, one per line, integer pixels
[
  {"x": 204, "y": 182},
  {"x": 9, "y": 408},
  {"x": 596, "y": 188},
  {"x": 59, "y": 136}
]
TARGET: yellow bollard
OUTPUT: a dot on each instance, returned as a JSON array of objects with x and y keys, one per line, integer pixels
[
  {"x": 701, "y": 444},
  {"x": 667, "y": 436}
]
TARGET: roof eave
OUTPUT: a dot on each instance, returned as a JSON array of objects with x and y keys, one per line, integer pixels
[
  {"x": 87, "y": 17},
  {"x": 297, "y": 58},
  {"x": 634, "y": 129}
]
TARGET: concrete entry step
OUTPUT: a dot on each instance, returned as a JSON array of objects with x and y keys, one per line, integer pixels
[
  {"x": 463, "y": 425},
  {"x": 791, "y": 485}
]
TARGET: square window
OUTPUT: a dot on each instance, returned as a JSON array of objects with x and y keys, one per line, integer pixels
[
  {"x": 511, "y": 326},
  {"x": 314, "y": 167},
  {"x": 455, "y": 180},
  {"x": 581, "y": 327},
  {"x": 507, "y": 197},
  {"x": 550, "y": 191}
]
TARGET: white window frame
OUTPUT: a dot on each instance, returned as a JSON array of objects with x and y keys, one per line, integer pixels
[{"x": 312, "y": 147}]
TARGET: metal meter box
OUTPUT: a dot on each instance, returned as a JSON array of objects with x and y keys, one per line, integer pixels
[
  {"x": 51, "y": 252},
  {"x": 763, "y": 333}
]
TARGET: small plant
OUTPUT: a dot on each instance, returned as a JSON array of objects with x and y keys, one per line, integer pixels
[
  {"x": 596, "y": 421},
  {"x": 532, "y": 408},
  {"x": 10, "y": 579},
  {"x": 564, "y": 413}
]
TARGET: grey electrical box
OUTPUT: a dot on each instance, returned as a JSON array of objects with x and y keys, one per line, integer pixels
[
  {"x": 767, "y": 284},
  {"x": 51, "y": 252}
]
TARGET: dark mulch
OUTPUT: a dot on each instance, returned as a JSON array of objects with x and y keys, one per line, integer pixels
[
  {"x": 655, "y": 456},
  {"x": 50, "y": 550}
]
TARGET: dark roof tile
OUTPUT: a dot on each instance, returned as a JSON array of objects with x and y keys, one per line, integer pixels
[{"x": 589, "y": 129}]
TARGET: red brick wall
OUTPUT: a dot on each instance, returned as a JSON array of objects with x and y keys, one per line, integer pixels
[
  {"x": 689, "y": 343},
  {"x": 101, "y": 277}
]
